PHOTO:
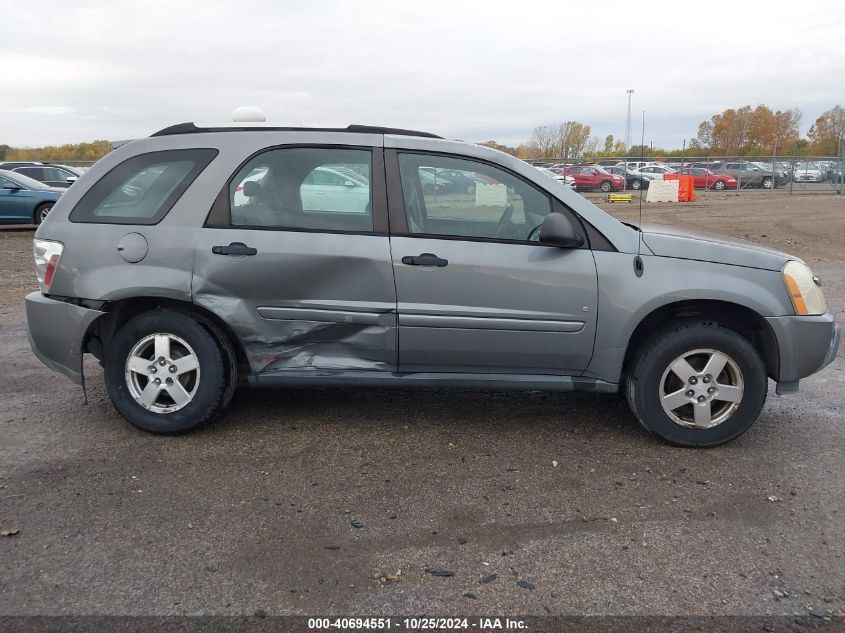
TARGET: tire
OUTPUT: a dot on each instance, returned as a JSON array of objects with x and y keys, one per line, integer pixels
[
  {"x": 636, "y": 185},
  {"x": 41, "y": 211},
  {"x": 606, "y": 186},
  {"x": 651, "y": 376},
  {"x": 766, "y": 183},
  {"x": 198, "y": 393},
  {"x": 719, "y": 185}
]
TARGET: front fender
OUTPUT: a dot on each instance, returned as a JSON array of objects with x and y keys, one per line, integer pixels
[{"x": 625, "y": 299}]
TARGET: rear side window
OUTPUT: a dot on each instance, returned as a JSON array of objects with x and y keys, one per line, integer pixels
[
  {"x": 304, "y": 188},
  {"x": 143, "y": 189}
]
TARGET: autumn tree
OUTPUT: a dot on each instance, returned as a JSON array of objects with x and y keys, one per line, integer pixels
[
  {"x": 827, "y": 133},
  {"x": 747, "y": 131},
  {"x": 83, "y": 152},
  {"x": 574, "y": 140}
]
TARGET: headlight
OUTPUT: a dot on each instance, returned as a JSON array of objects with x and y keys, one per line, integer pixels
[
  {"x": 47, "y": 255},
  {"x": 804, "y": 290}
]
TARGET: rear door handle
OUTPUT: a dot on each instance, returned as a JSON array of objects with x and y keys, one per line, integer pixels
[
  {"x": 426, "y": 259},
  {"x": 234, "y": 249}
]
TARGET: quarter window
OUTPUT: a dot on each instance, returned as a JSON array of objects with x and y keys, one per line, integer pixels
[
  {"x": 464, "y": 198},
  {"x": 143, "y": 189},
  {"x": 310, "y": 188}
]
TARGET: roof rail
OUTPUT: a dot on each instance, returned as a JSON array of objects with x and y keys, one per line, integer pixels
[{"x": 191, "y": 128}]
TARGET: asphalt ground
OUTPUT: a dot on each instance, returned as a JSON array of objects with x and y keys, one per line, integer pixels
[{"x": 345, "y": 501}]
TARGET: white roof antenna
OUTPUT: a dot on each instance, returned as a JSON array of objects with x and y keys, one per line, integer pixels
[{"x": 248, "y": 114}]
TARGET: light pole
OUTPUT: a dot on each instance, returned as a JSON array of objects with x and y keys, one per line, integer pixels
[{"x": 628, "y": 123}]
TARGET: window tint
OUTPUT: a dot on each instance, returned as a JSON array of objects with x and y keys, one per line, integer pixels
[
  {"x": 32, "y": 172},
  {"x": 464, "y": 198},
  {"x": 143, "y": 189},
  {"x": 314, "y": 188}
]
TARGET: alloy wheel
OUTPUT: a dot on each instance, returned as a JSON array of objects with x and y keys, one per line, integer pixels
[
  {"x": 701, "y": 389},
  {"x": 162, "y": 373}
]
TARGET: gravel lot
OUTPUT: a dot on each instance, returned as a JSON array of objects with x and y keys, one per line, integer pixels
[{"x": 343, "y": 502}]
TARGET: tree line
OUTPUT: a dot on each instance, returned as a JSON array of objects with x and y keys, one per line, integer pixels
[{"x": 743, "y": 131}]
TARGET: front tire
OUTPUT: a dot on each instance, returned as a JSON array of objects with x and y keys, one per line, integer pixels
[
  {"x": 696, "y": 384},
  {"x": 767, "y": 183},
  {"x": 636, "y": 185},
  {"x": 166, "y": 373},
  {"x": 606, "y": 186},
  {"x": 719, "y": 185}
]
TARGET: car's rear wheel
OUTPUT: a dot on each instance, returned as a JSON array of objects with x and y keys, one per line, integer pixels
[
  {"x": 41, "y": 212},
  {"x": 606, "y": 186},
  {"x": 697, "y": 384},
  {"x": 719, "y": 185},
  {"x": 166, "y": 373}
]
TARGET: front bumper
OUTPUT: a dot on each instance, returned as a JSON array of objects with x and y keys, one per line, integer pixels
[
  {"x": 57, "y": 332},
  {"x": 806, "y": 344}
]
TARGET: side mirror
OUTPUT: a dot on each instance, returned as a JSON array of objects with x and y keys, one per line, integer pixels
[
  {"x": 557, "y": 230},
  {"x": 71, "y": 179},
  {"x": 348, "y": 183}
]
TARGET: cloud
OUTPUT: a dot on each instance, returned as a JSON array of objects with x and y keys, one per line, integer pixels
[
  {"x": 459, "y": 68},
  {"x": 49, "y": 110}
]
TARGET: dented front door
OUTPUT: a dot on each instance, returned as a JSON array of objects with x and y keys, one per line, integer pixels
[{"x": 304, "y": 300}]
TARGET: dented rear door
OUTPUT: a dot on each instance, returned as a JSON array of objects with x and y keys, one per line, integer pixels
[{"x": 310, "y": 287}]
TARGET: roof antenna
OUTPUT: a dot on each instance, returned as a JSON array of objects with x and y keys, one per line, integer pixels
[
  {"x": 248, "y": 114},
  {"x": 638, "y": 261}
]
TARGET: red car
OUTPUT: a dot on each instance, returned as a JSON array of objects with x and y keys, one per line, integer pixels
[
  {"x": 590, "y": 177},
  {"x": 706, "y": 179}
]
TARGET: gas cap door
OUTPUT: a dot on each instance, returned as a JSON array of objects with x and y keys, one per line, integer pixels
[{"x": 132, "y": 247}]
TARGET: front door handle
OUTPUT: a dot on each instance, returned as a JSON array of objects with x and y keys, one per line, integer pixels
[
  {"x": 234, "y": 249},
  {"x": 426, "y": 259}
]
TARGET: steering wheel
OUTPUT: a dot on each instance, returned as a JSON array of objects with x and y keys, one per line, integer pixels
[
  {"x": 535, "y": 230},
  {"x": 504, "y": 221}
]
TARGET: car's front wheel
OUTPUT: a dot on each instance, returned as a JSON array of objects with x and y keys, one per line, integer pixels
[
  {"x": 166, "y": 373},
  {"x": 696, "y": 384},
  {"x": 767, "y": 183},
  {"x": 719, "y": 185},
  {"x": 606, "y": 186},
  {"x": 636, "y": 184}
]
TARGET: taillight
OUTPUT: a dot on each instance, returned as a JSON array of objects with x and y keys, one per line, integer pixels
[{"x": 47, "y": 254}]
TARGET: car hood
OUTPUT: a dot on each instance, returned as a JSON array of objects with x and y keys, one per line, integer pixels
[{"x": 667, "y": 241}]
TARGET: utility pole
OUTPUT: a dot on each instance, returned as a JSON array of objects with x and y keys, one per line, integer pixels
[{"x": 628, "y": 123}]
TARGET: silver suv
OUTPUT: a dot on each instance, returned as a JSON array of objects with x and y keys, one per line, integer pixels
[{"x": 201, "y": 258}]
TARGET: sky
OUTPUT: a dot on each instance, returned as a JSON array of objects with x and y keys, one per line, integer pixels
[{"x": 471, "y": 70}]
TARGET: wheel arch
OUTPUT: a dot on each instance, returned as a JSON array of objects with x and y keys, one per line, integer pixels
[
  {"x": 734, "y": 316},
  {"x": 101, "y": 332}
]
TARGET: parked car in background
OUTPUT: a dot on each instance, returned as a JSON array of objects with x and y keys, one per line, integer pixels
[
  {"x": 633, "y": 179},
  {"x": 707, "y": 179},
  {"x": 24, "y": 200},
  {"x": 50, "y": 175},
  {"x": 183, "y": 293},
  {"x": 655, "y": 172},
  {"x": 589, "y": 177},
  {"x": 747, "y": 173},
  {"x": 569, "y": 181},
  {"x": 808, "y": 172},
  {"x": 455, "y": 181},
  {"x": 609, "y": 162}
]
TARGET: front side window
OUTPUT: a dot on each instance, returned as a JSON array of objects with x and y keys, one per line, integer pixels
[
  {"x": 312, "y": 188},
  {"x": 142, "y": 189},
  {"x": 464, "y": 198}
]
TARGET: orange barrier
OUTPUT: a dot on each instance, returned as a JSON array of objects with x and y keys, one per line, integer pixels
[{"x": 686, "y": 186}]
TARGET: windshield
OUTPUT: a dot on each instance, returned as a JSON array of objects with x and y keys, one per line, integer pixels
[
  {"x": 808, "y": 166},
  {"x": 23, "y": 181}
]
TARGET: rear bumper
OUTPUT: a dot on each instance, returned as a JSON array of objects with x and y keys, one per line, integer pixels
[
  {"x": 57, "y": 331},
  {"x": 806, "y": 344}
]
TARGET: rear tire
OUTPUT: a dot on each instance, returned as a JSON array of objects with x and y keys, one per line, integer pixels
[
  {"x": 41, "y": 212},
  {"x": 651, "y": 380},
  {"x": 197, "y": 394}
]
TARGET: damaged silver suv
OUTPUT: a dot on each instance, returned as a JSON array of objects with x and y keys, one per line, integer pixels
[{"x": 200, "y": 258}]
